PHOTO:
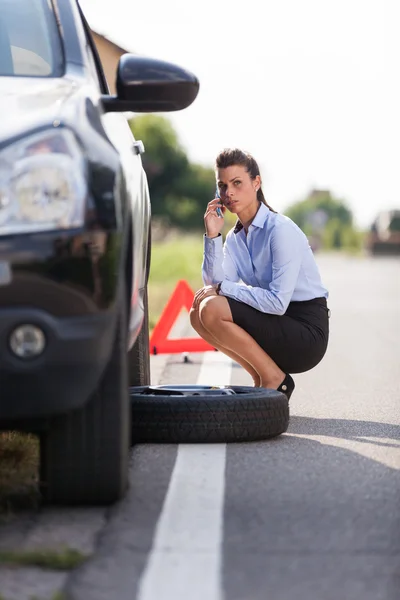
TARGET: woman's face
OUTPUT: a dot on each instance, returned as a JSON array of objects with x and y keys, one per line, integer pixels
[{"x": 237, "y": 190}]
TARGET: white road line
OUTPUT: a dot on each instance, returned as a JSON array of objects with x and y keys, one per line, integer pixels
[{"x": 185, "y": 559}]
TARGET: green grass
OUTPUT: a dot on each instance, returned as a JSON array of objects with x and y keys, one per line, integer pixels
[
  {"x": 55, "y": 596},
  {"x": 19, "y": 460},
  {"x": 179, "y": 258},
  {"x": 63, "y": 560}
]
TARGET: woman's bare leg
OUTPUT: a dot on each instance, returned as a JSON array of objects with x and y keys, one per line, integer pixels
[
  {"x": 216, "y": 318},
  {"x": 197, "y": 326}
]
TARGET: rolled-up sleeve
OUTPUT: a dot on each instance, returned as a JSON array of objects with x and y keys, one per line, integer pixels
[
  {"x": 217, "y": 263},
  {"x": 287, "y": 248}
]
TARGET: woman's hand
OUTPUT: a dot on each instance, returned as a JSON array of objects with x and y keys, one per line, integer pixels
[
  {"x": 213, "y": 223},
  {"x": 208, "y": 290}
]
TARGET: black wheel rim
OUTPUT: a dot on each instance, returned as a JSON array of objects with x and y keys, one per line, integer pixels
[{"x": 184, "y": 390}]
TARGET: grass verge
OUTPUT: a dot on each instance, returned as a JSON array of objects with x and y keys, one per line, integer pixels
[
  {"x": 55, "y": 596},
  {"x": 64, "y": 560},
  {"x": 179, "y": 258},
  {"x": 19, "y": 460}
]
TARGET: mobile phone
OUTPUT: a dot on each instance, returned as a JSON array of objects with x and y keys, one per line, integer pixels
[{"x": 218, "y": 209}]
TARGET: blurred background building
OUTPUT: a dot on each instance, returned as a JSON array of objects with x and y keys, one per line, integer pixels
[{"x": 110, "y": 53}]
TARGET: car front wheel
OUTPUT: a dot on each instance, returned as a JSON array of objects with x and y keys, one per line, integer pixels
[
  {"x": 85, "y": 454},
  {"x": 139, "y": 355}
]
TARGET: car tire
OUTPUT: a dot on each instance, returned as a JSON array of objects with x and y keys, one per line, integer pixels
[
  {"x": 160, "y": 415},
  {"x": 139, "y": 355},
  {"x": 85, "y": 454}
]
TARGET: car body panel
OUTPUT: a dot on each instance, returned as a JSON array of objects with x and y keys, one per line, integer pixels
[
  {"x": 140, "y": 211},
  {"x": 31, "y": 104}
]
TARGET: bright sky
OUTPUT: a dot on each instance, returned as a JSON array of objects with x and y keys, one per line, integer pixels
[{"x": 310, "y": 87}]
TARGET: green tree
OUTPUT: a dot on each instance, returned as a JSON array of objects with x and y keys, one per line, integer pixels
[
  {"x": 196, "y": 187},
  {"x": 317, "y": 208},
  {"x": 326, "y": 220},
  {"x": 164, "y": 160},
  {"x": 179, "y": 189}
]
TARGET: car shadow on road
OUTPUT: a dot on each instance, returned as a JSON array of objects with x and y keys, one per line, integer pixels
[{"x": 360, "y": 431}]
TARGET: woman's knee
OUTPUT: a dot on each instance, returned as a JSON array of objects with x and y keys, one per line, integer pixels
[
  {"x": 194, "y": 317},
  {"x": 209, "y": 311}
]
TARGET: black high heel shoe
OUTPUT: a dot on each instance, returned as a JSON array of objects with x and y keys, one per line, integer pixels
[{"x": 287, "y": 386}]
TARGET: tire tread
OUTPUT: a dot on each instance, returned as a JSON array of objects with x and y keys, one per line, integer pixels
[{"x": 85, "y": 454}]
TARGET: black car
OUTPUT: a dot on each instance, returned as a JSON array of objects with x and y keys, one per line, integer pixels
[
  {"x": 384, "y": 235},
  {"x": 74, "y": 243}
]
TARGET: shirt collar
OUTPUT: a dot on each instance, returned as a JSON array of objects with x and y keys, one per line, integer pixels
[{"x": 258, "y": 221}]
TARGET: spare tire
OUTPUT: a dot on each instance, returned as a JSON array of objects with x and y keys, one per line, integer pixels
[{"x": 206, "y": 414}]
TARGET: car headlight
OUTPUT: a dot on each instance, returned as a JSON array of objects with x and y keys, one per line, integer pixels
[{"x": 42, "y": 184}]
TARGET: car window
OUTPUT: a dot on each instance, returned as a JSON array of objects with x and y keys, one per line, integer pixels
[
  {"x": 93, "y": 67},
  {"x": 93, "y": 57},
  {"x": 29, "y": 39}
]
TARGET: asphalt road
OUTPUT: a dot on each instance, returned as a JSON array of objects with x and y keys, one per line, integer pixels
[{"x": 314, "y": 514}]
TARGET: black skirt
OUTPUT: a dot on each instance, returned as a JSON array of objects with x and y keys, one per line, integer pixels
[{"x": 296, "y": 341}]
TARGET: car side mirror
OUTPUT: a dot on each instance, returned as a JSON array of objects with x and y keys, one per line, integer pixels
[{"x": 151, "y": 85}]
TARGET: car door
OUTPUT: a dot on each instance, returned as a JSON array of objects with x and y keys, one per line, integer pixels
[{"x": 130, "y": 151}]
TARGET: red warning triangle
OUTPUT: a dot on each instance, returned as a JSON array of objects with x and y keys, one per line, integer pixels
[{"x": 182, "y": 297}]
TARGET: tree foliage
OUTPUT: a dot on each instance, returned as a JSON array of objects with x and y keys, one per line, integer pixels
[
  {"x": 319, "y": 207},
  {"x": 327, "y": 221},
  {"x": 179, "y": 189}
]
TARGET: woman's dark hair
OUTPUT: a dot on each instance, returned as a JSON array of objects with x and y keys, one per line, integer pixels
[{"x": 234, "y": 156}]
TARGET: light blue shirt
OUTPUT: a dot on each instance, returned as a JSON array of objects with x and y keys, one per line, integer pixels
[{"x": 270, "y": 267}]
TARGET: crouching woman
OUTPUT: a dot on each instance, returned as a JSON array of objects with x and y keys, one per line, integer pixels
[{"x": 263, "y": 303}]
